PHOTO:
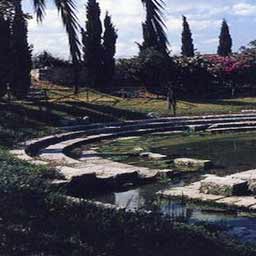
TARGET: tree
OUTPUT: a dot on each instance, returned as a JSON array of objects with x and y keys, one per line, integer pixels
[
  {"x": 5, "y": 40},
  {"x": 109, "y": 46},
  {"x": 187, "y": 49},
  {"x": 21, "y": 56},
  {"x": 46, "y": 59},
  {"x": 225, "y": 40},
  {"x": 92, "y": 46},
  {"x": 154, "y": 35},
  {"x": 66, "y": 8}
]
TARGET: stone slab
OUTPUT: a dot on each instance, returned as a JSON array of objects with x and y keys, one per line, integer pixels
[
  {"x": 191, "y": 164},
  {"x": 153, "y": 155},
  {"x": 224, "y": 186},
  {"x": 189, "y": 194}
]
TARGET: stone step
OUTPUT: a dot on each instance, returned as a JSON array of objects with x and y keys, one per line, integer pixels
[
  {"x": 34, "y": 146},
  {"x": 233, "y": 124},
  {"x": 165, "y": 122},
  {"x": 231, "y": 129}
]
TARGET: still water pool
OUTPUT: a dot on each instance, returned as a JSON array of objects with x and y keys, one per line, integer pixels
[{"x": 230, "y": 153}]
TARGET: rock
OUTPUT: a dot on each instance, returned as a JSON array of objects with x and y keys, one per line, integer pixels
[
  {"x": 152, "y": 155},
  {"x": 189, "y": 164},
  {"x": 124, "y": 178},
  {"x": 165, "y": 174},
  {"x": 152, "y": 115},
  {"x": 224, "y": 186},
  {"x": 80, "y": 185},
  {"x": 138, "y": 149},
  {"x": 252, "y": 187},
  {"x": 250, "y": 177}
]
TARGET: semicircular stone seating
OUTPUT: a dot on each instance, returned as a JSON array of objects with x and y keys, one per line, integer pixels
[{"x": 92, "y": 172}]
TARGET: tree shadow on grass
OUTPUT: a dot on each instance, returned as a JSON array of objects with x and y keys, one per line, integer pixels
[{"x": 223, "y": 102}]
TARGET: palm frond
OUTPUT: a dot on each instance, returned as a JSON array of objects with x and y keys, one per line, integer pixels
[
  {"x": 155, "y": 19},
  {"x": 67, "y": 9},
  {"x": 39, "y": 8}
]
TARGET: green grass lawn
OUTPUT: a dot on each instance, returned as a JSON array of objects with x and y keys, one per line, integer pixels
[{"x": 111, "y": 105}]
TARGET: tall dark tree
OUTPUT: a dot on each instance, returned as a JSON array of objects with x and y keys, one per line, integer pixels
[
  {"x": 225, "y": 40},
  {"x": 21, "y": 55},
  {"x": 109, "y": 46},
  {"x": 187, "y": 49},
  {"x": 154, "y": 35},
  {"x": 66, "y": 8},
  {"x": 92, "y": 42},
  {"x": 5, "y": 67}
]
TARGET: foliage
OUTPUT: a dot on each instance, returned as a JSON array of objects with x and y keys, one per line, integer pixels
[
  {"x": 225, "y": 40},
  {"x": 187, "y": 49},
  {"x": 99, "y": 50},
  {"x": 46, "y": 59},
  {"x": 154, "y": 34},
  {"x": 109, "y": 48},
  {"x": 128, "y": 70},
  {"x": 21, "y": 177},
  {"x": 5, "y": 63},
  {"x": 194, "y": 75},
  {"x": 67, "y": 9},
  {"x": 155, "y": 68},
  {"x": 228, "y": 66},
  {"x": 21, "y": 55},
  {"x": 91, "y": 38},
  {"x": 232, "y": 71}
]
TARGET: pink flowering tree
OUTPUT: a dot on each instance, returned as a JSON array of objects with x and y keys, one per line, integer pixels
[{"x": 230, "y": 71}]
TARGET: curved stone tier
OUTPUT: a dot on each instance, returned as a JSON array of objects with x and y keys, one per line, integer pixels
[{"x": 94, "y": 172}]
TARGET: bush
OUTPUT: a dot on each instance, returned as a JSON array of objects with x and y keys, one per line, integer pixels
[{"x": 194, "y": 76}]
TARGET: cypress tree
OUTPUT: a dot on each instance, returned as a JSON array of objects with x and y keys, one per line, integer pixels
[
  {"x": 5, "y": 67},
  {"x": 225, "y": 40},
  {"x": 109, "y": 46},
  {"x": 92, "y": 43},
  {"x": 21, "y": 55},
  {"x": 187, "y": 49}
]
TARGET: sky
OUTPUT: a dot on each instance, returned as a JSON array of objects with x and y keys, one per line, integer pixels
[{"x": 204, "y": 17}]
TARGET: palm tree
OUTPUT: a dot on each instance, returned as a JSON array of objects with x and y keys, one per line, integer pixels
[
  {"x": 66, "y": 8},
  {"x": 155, "y": 22}
]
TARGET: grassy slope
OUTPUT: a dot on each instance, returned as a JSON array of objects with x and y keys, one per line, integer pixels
[
  {"x": 34, "y": 221},
  {"x": 118, "y": 108}
]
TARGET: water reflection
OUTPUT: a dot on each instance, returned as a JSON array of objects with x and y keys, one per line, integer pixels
[
  {"x": 230, "y": 153},
  {"x": 243, "y": 228}
]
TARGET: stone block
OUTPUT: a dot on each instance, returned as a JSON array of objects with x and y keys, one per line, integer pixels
[
  {"x": 123, "y": 178},
  {"x": 224, "y": 186},
  {"x": 189, "y": 164},
  {"x": 252, "y": 187},
  {"x": 152, "y": 155}
]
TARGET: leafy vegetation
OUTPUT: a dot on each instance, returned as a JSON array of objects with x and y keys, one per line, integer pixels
[
  {"x": 4, "y": 57},
  {"x": 225, "y": 43},
  {"x": 187, "y": 49},
  {"x": 20, "y": 81}
]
